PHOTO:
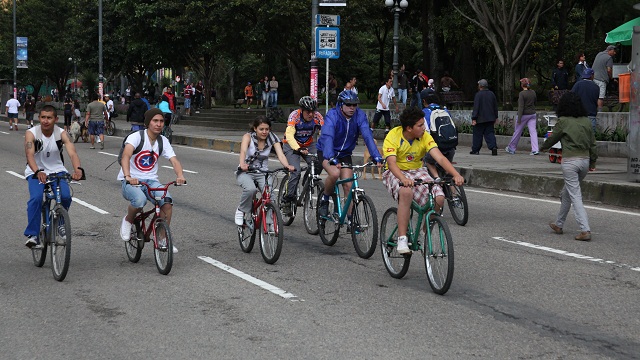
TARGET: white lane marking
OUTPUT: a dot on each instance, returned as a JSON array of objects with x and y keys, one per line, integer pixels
[
  {"x": 4, "y": 132},
  {"x": 567, "y": 253},
  {"x": 250, "y": 279},
  {"x": 75, "y": 199},
  {"x": 185, "y": 170},
  {"x": 550, "y": 201},
  {"x": 92, "y": 207},
  {"x": 16, "y": 174},
  {"x": 106, "y": 153}
]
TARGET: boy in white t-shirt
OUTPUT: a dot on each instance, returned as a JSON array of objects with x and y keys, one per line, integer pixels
[
  {"x": 143, "y": 167},
  {"x": 12, "y": 112},
  {"x": 385, "y": 94}
]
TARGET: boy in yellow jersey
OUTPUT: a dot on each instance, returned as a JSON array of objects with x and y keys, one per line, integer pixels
[{"x": 404, "y": 147}]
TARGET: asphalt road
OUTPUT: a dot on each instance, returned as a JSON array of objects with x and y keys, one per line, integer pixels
[{"x": 519, "y": 291}]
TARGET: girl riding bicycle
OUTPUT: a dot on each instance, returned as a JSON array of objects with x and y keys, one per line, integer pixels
[
  {"x": 404, "y": 147},
  {"x": 254, "y": 151}
]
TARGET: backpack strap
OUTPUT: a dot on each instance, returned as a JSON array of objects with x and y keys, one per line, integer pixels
[{"x": 141, "y": 144}]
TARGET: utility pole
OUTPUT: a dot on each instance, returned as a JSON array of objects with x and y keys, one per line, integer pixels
[{"x": 313, "y": 92}]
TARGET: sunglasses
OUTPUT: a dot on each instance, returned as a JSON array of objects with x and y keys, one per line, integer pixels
[{"x": 351, "y": 105}]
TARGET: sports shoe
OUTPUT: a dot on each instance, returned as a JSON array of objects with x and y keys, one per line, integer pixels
[
  {"x": 99, "y": 140},
  {"x": 92, "y": 147},
  {"x": 403, "y": 247},
  {"x": 323, "y": 208},
  {"x": 125, "y": 229},
  {"x": 584, "y": 236},
  {"x": 508, "y": 149},
  {"x": 101, "y": 146},
  {"x": 239, "y": 217},
  {"x": 494, "y": 152},
  {"x": 62, "y": 232},
  {"x": 32, "y": 241},
  {"x": 175, "y": 249},
  {"x": 534, "y": 153},
  {"x": 556, "y": 229},
  {"x": 474, "y": 152}
]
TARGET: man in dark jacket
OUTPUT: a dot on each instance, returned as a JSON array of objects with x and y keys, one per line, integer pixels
[
  {"x": 483, "y": 119},
  {"x": 560, "y": 77},
  {"x": 136, "y": 111},
  {"x": 588, "y": 92}
]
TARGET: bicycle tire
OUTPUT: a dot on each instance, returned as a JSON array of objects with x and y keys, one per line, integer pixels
[
  {"x": 310, "y": 207},
  {"x": 271, "y": 235},
  {"x": 168, "y": 133},
  {"x": 39, "y": 253},
  {"x": 364, "y": 227},
  {"x": 438, "y": 258},
  {"x": 134, "y": 246},
  {"x": 247, "y": 233},
  {"x": 458, "y": 204},
  {"x": 163, "y": 247},
  {"x": 329, "y": 229},
  {"x": 282, "y": 192},
  {"x": 110, "y": 129},
  {"x": 396, "y": 264},
  {"x": 60, "y": 248}
]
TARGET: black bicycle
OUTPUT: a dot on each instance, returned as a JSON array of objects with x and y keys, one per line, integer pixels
[
  {"x": 308, "y": 195},
  {"x": 456, "y": 199}
]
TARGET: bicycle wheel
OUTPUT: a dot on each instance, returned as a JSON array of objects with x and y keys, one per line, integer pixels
[
  {"x": 310, "y": 207},
  {"x": 396, "y": 264},
  {"x": 457, "y": 200},
  {"x": 364, "y": 227},
  {"x": 110, "y": 129},
  {"x": 439, "y": 258},
  {"x": 60, "y": 246},
  {"x": 271, "y": 234},
  {"x": 39, "y": 253},
  {"x": 134, "y": 246},
  {"x": 247, "y": 233},
  {"x": 288, "y": 210},
  {"x": 168, "y": 133},
  {"x": 163, "y": 249},
  {"x": 329, "y": 228}
]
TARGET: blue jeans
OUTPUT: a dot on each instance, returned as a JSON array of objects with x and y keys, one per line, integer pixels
[
  {"x": 402, "y": 96},
  {"x": 138, "y": 196},
  {"x": 273, "y": 98},
  {"x": 594, "y": 121},
  {"x": 34, "y": 205}
]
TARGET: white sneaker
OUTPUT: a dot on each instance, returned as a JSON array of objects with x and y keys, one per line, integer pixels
[
  {"x": 98, "y": 139},
  {"x": 239, "y": 217},
  {"x": 175, "y": 250},
  {"x": 125, "y": 229},
  {"x": 403, "y": 247}
]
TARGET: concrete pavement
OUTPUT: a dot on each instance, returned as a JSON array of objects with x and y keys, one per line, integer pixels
[{"x": 533, "y": 175}]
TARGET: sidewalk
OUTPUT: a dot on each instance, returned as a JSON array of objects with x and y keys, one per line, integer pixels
[{"x": 533, "y": 175}]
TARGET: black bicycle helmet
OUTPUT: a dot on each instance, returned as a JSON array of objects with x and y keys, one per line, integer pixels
[
  {"x": 348, "y": 97},
  {"x": 308, "y": 103}
]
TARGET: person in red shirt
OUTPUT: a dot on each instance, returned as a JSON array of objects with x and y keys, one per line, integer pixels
[
  {"x": 187, "y": 93},
  {"x": 169, "y": 97},
  {"x": 248, "y": 94}
]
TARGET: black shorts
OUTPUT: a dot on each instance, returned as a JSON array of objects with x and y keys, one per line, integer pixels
[{"x": 346, "y": 159}]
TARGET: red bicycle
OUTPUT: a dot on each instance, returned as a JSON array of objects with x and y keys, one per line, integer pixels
[
  {"x": 266, "y": 218},
  {"x": 156, "y": 228}
]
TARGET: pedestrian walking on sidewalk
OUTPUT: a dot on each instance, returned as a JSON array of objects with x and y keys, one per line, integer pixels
[
  {"x": 579, "y": 155},
  {"x": 526, "y": 118},
  {"x": 483, "y": 119}
]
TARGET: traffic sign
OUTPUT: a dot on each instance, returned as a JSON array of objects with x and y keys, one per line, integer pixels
[
  {"x": 327, "y": 42},
  {"x": 327, "y": 20}
]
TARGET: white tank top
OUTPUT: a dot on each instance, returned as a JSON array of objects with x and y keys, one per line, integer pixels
[
  {"x": 49, "y": 157},
  {"x": 260, "y": 158}
]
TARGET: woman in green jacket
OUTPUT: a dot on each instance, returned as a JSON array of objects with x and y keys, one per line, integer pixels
[{"x": 579, "y": 155}]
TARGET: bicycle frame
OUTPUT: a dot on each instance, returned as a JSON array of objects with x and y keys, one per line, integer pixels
[
  {"x": 148, "y": 230},
  {"x": 354, "y": 191},
  {"x": 51, "y": 193},
  {"x": 309, "y": 177},
  {"x": 258, "y": 211}
]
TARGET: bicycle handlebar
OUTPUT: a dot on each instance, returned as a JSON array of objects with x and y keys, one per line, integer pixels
[
  {"x": 163, "y": 188},
  {"x": 356, "y": 167},
  {"x": 256, "y": 169},
  {"x": 66, "y": 176}
]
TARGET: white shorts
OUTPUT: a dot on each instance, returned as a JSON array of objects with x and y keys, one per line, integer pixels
[{"x": 603, "y": 88}]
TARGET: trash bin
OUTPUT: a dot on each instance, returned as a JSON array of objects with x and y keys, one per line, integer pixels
[{"x": 624, "y": 87}]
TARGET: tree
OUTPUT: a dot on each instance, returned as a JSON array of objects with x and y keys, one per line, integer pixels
[{"x": 509, "y": 27}]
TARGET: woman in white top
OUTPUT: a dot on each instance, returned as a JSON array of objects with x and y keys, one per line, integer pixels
[{"x": 254, "y": 151}]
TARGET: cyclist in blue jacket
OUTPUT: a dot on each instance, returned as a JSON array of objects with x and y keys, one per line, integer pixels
[{"x": 342, "y": 126}]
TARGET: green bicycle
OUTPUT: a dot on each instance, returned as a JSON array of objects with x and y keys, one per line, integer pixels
[
  {"x": 364, "y": 222},
  {"x": 436, "y": 247}
]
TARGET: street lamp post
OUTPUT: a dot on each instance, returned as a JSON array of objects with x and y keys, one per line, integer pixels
[
  {"x": 15, "y": 54},
  {"x": 397, "y": 6},
  {"x": 100, "y": 75},
  {"x": 75, "y": 77}
]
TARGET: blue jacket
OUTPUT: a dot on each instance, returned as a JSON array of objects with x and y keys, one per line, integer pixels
[{"x": 338, "y": 136}]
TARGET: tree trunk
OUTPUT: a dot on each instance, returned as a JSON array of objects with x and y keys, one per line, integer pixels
[
  {"x": 298, "y": 84},
  {"x": 508, "y": 88}
]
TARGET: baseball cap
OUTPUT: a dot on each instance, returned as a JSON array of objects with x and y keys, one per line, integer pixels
[
  {"x": 483, "y": 83},
  {"x": 587, "y": 73},
  {"x": 611, "y": 47}
]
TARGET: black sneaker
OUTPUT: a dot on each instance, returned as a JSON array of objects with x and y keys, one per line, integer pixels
[
  {"x": 494, "y": 152},
  {"x": 32, "y": 241},
  {"x": 285, "y": 206},
  {"x": 323, "y": 208}
]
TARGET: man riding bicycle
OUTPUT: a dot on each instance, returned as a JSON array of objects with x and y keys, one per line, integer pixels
[
  {"x": 43, "y": 148},
  {"x": 298, "y": 141},
  {"x": 343, "y": 124},
  {"x": 404, "y": 147},
  {"x": 143, "y": 167}
]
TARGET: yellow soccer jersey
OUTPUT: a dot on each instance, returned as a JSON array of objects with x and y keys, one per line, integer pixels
[{"x": 408, "y": 155}]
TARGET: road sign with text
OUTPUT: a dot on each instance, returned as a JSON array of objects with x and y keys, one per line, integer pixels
[
  {"x": 327, "y": 42},
  {"x": 327, "y": 20}
]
